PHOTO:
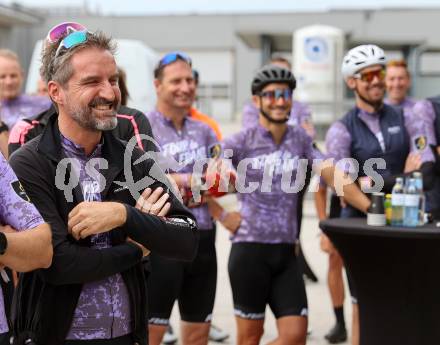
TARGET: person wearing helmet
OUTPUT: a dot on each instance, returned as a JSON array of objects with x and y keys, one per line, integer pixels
[
  {"x": 299, "y": 115},
  {"x": 263, "y": 265},
  {"x": 373, "y": 129}
]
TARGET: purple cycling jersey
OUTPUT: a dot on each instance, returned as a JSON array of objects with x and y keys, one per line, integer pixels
[
  {"x": 16, "y": 211},
  {"x": 192, "y": 143},
  {"x": 103, "y": 308},
  {"x": 22, "y": 107},
  {"x": 338, "y": 138},
  {"x": 269, "y": 213},
  {"x": 300, "y": 112},
  {"x": 407, "y": 103},
  {"x": 426, "y": 113}
]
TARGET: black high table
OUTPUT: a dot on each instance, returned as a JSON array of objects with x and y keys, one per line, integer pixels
[{"x": 396, "y": 272}]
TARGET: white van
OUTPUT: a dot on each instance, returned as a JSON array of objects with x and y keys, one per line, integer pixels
[{"x": 134, "y": 57}]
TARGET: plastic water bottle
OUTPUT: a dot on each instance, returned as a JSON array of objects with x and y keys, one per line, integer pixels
[
  {"x": 422, "y": 200},
  {"x": 397, "y": 203},
  {"x": 411, "y": 210}
]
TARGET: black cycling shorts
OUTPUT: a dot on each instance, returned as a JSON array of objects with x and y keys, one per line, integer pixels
[
  {"x": 263, "y": 274},
  {"x": 192, "y": 284}
]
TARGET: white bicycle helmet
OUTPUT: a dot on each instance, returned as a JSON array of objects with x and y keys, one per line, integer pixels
[{"x": 360, "y": 57}]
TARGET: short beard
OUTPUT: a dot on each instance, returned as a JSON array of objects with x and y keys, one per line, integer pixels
[
  {"x": 83, "y": 116},
  {"x": 375, "y": 104}
]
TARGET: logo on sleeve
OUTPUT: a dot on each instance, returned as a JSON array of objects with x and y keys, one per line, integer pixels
[
  {"x": 214, "y": 151},
  {"x": 19, "y": 190},
  {"x": 420, "y": 142}
]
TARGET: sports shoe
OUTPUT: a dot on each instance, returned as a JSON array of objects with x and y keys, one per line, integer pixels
[
  {"x": 169, "y": 338},
  {"x": 338, "y": 334},
  {"x": 216, "y": 334}
]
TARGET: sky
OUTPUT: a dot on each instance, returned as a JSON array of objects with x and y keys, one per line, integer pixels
[{"x": 152, "y": 7}]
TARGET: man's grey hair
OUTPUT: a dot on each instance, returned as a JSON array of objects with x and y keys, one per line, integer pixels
[{"x": 60, "y": 68}]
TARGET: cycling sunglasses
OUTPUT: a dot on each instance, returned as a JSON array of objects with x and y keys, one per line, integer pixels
[
  {"x": 63, "y": 29},
  {"x": 71, "y": 40},
  {"x": 172, "y": 57},
  {"x": 369, "y": 76},
  {"x": 273, "y": 95}
]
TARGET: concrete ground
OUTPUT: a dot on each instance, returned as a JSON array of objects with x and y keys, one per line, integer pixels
[{"x": 321, "y": 317}]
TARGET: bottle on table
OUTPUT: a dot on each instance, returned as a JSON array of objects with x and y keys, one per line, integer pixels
[
  {"x": 422, "y": 200},
  {"x": 411, "y": 209},
  {"x": 397, "y": 203},
  {"x": 388, "y": 209}
]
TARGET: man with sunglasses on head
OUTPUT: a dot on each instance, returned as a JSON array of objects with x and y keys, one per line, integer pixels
[
  {"x": 263, "y": 265},
  {"x": 185, "y": 140},
  {"x": 94, "y": 292},
  {"x": 215, "y": 333},
  {"x": 373, "y": 129}
]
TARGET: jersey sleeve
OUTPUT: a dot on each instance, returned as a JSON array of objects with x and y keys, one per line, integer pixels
[
  {"x": 16, "y": 208},
  {"x": 417, "y": 129},
  {"x": 338, "y": 141},
  {"x": 426, "y": 113}
]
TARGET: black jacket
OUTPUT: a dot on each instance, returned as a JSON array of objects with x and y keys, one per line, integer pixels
[{"x": 46, "y": 299}]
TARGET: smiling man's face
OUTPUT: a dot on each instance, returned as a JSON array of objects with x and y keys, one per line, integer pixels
[{"x": 92, "y": 94}]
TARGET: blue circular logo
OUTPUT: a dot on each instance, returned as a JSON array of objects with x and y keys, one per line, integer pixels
[{"x": 316, "y": 49}]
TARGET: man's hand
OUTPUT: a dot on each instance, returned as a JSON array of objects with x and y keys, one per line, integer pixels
[
  {"x": 154, "y": 202},
  {"x": 90, "y": 218},
  {"x": 231, "y": 221},
  {"x": 413, "y": 162}
]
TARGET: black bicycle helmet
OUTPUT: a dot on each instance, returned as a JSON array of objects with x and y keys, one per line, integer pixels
[{"x": 272, "y": 74}]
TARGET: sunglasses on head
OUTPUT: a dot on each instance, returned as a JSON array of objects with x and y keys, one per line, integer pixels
[
  {"x": 273, "y": 95},
  {"x": 174, "y": 56},
  {"x": 71, "y": 40},
  {"x": 62, "y": 30},
  {"x": 369, "y": 76}
]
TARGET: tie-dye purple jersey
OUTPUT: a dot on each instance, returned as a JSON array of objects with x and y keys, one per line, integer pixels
[
  {"x": 338, "y": 138},
  {"x": 103, "y": 308},
  {"x": 22, "y": 107},
  {"x": 192, "y": 143},
  {"x": 269, "y": 213},
  {"x": 407, "y": 104},
  {"x": 16, "y": 211},
  {"x": 425, "y": 111},
  {"x": 300, "y": 112}
]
